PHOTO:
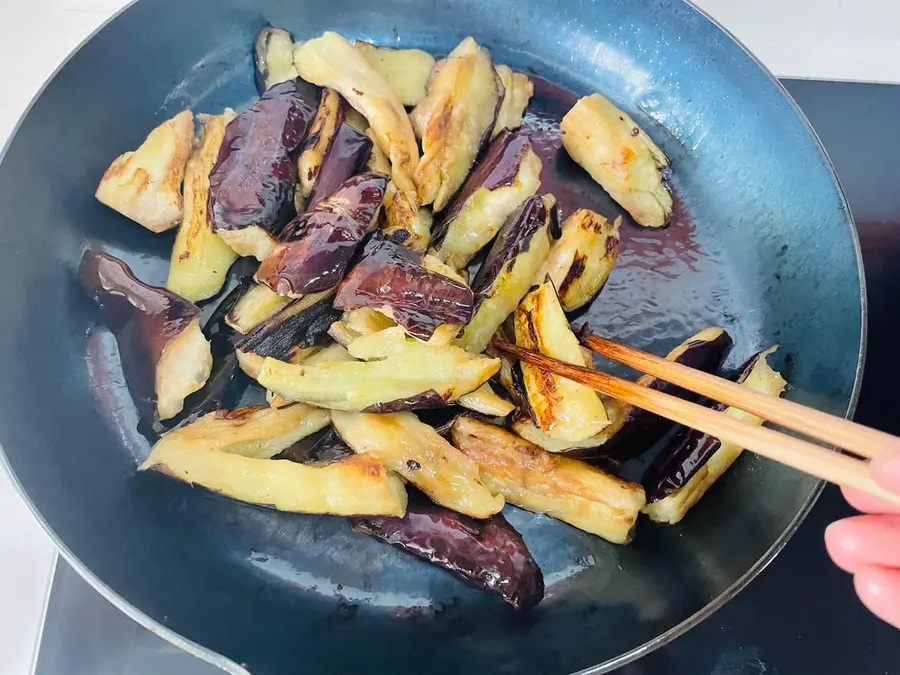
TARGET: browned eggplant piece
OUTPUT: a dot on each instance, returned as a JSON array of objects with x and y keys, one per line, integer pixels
[
  {"x": 572, "y": 491},
  {"x": 145, "y": 185},
  {"x": 455, "y": 120},
  {"x": 315, "y": 249},
  {"x": 334, "y": 151},
  {"x": 405, "y": 70},
  {"x": 319, "y": 449},
  {"x": 397, "y": 372},
  {"x": 200, "y": 258},
  {"x": 562, "y": 409},
  {"x": 289, "y": 334},
  {"x": 633, "y": 431},
  {"x": 273, "y": 58},
  {"x": 488, "y": 554},
  {"x": 620, "y": 157},
  {"x": 406, "y": 222},
  {"x": 331, "y": 61},
  {"x": 251, "y": 186},
  {"x": 507, "y": 175},
  {"x": 517, "y": 91},
  {"x": 354, "y": 486},
  {"x": 417, "y": 452},
  {"x": 164, "y": 353},
  {"x": 693, "y": 461},
  {"x": 582, "y": 259},
  {"x": 391, "y": 277},
  {"x": 508, "y": 271}
]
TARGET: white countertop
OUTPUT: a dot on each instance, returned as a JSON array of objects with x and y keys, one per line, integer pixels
[{"x": 827, "y": 39}]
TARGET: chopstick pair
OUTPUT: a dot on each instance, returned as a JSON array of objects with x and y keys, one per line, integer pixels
[{"x": 812, "y": 459}]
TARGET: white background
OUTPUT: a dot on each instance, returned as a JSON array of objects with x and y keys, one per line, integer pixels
[{"x": 828, "y": 39}]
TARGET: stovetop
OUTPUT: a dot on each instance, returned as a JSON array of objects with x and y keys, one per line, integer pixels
[{"x": 800, "y": 617}]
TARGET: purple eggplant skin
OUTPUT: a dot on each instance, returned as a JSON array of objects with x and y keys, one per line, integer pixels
[
  {"x": 427, "y": 400},
  {"x": 346, "y": 156},
  {"x": 686, "y": 453},
  {"x": 320, "y": 449},
  {"x": 290, "y": 330},
  {"x": 513, "y": 239},
  {"x": 144, "y": 319},
  {"x": 488, "y": 554},
  {"x": 497, "y": 167},
  {"x": 420, "y": 300},
  {"x": 316, "y": 248},
  {"x": 253, "y": 180},
  {"x": 641, "y": 429}
]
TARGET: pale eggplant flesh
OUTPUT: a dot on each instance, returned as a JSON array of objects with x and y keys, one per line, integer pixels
[
  {"x": 391, "y": 276},
  {"x": 164, "y": 353},
  {"x": 316, "y": 248},
  {"x": 273, "y": 58},
  {"x": 488, "y": 554},
  {"x": 252, "y": 183}
]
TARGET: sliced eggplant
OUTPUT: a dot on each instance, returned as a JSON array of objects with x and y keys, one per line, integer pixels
[
  {"x": 315, "y": 249},
  {"x": 486, "y": 401},
  {"x": 257, "y": 431},
  {"x": 508, "y": 271},
  {"x": 289, "y": 334},
  {"x": 693, "y": 461},
  {"x": 405, "y": 70},
  {"x": 561, "y": 408},
  {"x": 581, "y": 260},
  {"x": 392, "y": 278},
  {"x": 455, "y": 120},
  {"x": 256, "y": 304},
  {"x": 633, "y": 431},
  {"x": 251, "y": 186},
  {"x": 418, "y": 453},
  {"x": 572, "y": 491},
  {"x": 355, "y": 486},
  {"x": 331, "y": 61},
  {"x": 517, "y": 91},
  {"x": 273, "y": 58},
  {"x": 620, "y": 157},
  {"x": 334, "y": 151},
  {"x": 319, "y": 449},
  {"x": 358, "y": 322},
  {"x": 200, "y": 258},
  {"x": 398, "y": 373},
  {"x": 164, "y": 353},
  {"x": 507, "y": 175},
  {"x": 488, "y": 554},
  {"x": 312, "y": 356},
  {"x": 378, "y": 161},
  {"x": 406, "y": 222},
  {"x": 145, "y": 185}
]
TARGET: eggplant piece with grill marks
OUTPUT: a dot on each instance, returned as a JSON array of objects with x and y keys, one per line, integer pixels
[
  {"x": 690, "y": 464},
  {"x": 572, "y": 491},
  {"x": 507, "y": 175},
  {"x": 392, "y": 278},
  {"x": 251, "y": 186},
  {"x": 165, "y": 355},
  {"x": 508, "y": 271},
  {"x": 273, "y": 58},
  {"x": 315, "y": 249},
  {"x": 488, "y": 554}
]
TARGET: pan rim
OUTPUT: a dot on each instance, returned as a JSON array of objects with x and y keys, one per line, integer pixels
[{"x": 229, "y": 666}]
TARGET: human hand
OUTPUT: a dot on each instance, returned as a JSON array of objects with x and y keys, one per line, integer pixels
[{"x": 868, "y": 546}]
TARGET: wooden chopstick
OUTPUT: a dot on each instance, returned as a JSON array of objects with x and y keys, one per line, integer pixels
[
  {"x": 856, "y": 438},
  {"x": 811, "y": 459}
]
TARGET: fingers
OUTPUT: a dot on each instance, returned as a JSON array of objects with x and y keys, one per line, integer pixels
[
  {"x": 879, "y": 590},
  {"x": 864, "y": 541},
  {"x": 863, "y": 501},
  {"x": 885, "y": 468}
]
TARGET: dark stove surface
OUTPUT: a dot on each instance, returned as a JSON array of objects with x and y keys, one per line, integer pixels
[{"x": 800, "y": 616}]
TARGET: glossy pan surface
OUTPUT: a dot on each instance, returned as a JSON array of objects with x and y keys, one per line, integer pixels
[{"x": 761, "y": 243}]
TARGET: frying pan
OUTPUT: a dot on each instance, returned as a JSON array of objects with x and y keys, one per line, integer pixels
[{"x": 761, "y": 244}]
